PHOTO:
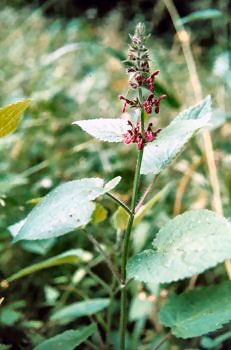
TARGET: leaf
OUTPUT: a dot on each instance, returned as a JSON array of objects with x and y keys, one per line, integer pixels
[
  {"x": 99, "y": 215},
  {"x": 76, "y": 310},
  {"x": 171, "y": 140},
  {"x": 9, "y": 317},
  {"x": 68, "y": 340},
  {"x": 222, "y": 67},
  {"x": 39, "y": 247},
  {"x": 5, "y": 347},
  {"x": 65, "y": 208},
  {"x": 187, "y": 245},
  {"x": 10, "y": 116},
  {"x": 199, "y": 15},
  {"x": 120, "y": 219},
  {"x": 110, "y": 130},
  {"x": 73, "y": 256},
  {"x": 199, "y": 311},
  {"x": 212, "y": 343},
  {"x": 140, "y": 308}
]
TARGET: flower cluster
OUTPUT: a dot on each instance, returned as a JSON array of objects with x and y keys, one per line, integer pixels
[
  {"x": 151, "y": 102},
  {"x": 135, "y": 136},
  {"x": 140, "y": 76}
]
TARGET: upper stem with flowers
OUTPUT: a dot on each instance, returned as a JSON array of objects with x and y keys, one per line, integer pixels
[{"x": 140, "y": 76}]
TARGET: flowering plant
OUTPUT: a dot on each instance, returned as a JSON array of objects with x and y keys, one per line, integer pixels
[{"x": 187, "y": 245}]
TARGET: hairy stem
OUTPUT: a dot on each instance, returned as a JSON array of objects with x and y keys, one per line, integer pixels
[
  {"x": 123, "y": 302},
  {"x": 147, "y": 191}
]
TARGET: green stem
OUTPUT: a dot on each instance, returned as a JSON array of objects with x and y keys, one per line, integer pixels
[
  {"x": 119, "y": 202},
  {"x": 123, "y": 302},
  {"x": 109, "y": 315},
  {"x": 103, "y": 253},
  {"x": 162, "y": 341}
]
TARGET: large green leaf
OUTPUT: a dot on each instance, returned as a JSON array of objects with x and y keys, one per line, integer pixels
[
  {"x": 68, "y": 340},
  {"x": 39, "y": 246},
  {"x": 10, "y": 116},
  {"x": 73, "y": 256},
  {"x": 76, "y": 310},
  {"x": 171, "y": 140},
  {"x": 65, "y": 208},
  {"x": 199, "y": 311},
  {"x": 187, "y": 245},
  {"x": 110, "y": 130}
]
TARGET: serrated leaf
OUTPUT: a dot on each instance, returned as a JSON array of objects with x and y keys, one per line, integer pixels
[
  {"x": 65, "y": 208},
  {"x": 72, "y": 256},
  {"x": 110, "y": 130},
  {"x": 99, "y": 215},
  {"x": 171, "y": 140},
  {"x": 68, "y": 340},
  {"x": 10, "y": 116},
  {"x": 76, "y": 310},
  {"x": 199, "y": 311},
  {"x": 188, "y": 244},
  {"x": 199, "y": 15}
]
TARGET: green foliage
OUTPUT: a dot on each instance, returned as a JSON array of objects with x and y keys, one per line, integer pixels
[
  {"x": 199, "y": 311},
  {"x": 73, "y": 256},
  {"x": 65, "y": 208},
  {"x": 79, "y": 309},
  {"x": 213, "y": 343},
  {"x": 10, "y": 116},
  {"x": 73, "y": 69},
  {"x": 222, "y": 67},
  {"x": 4, "y": 347},
  {"x": 201, "y": 15},
  {"x": 120, "y": 219},
  {"x": 187, "y": 245},
  {"x": 110, "y": 130},
  {"x": 99, "y": 215},
  {"x": 68, "y": 340},
  {"x": 170, "y": 142}
]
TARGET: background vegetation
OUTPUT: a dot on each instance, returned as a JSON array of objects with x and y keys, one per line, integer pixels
[{"x": 73, "y": 69}]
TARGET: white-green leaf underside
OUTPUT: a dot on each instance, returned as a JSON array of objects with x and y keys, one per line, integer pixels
[
  {"x": 171, "y": 140},
  {"x": 199, "y": 311},
  {"x": 110, "y": 130},
  {"x": 65, "y": 208},
  {"x": 187, "y": 245}
]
